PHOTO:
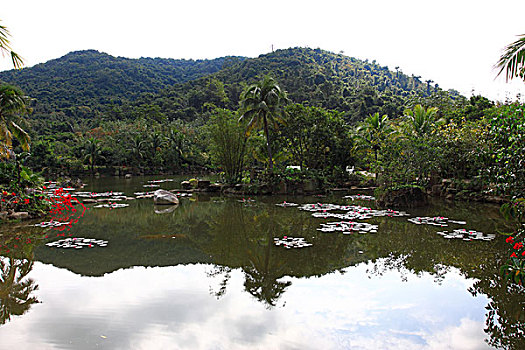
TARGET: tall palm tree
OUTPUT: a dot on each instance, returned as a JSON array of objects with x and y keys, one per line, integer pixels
[
  {"x": 138, "y": 148},
  {"x": 93, "y": 153},
  {"x": 176, "y": 141},
  {"x": 12, "y": 104},
  {"x": 5, "y": 47},
  {"x": 373, "y": 131},
  {"x": 157, "y": 141},
  {"x": 262, "y": 103},
  {"x": 513, "y": 60}
]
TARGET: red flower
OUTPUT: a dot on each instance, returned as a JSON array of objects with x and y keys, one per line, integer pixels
[
  {"x": 14, "y": 194},
  {"x": 518, "y": 245},
  {"x": 26, "y": 201},
  {"x": 4, "y": 193},
  {"x": 513, "y": 255},
  {"x": 509, "y": 239}
]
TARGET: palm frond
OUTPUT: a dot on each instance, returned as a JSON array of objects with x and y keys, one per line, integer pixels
[
  {"x": 513, "y": 59},
  {"x": 20, "y": 135}
]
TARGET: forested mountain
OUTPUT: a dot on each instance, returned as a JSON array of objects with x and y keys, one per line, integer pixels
[
  {"x": 310, "y": 76},
  {"x": 84, "y": 86},
  {"x": 93, "y": 79}
]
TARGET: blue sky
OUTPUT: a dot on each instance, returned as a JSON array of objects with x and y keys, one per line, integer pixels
[{"x": 454, "y": 43}]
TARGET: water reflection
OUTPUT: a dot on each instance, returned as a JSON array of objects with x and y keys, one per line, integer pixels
[
  {"x": 234, "y": 243},
  {"x": 15, "y": 288},
  {"x": 16, "y": 262}
]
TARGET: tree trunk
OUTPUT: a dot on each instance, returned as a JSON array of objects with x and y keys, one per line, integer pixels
[{"x": 268, "y": 146}]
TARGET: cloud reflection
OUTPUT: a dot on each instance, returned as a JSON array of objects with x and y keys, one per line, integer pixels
[{"x": 171, "y": 308}]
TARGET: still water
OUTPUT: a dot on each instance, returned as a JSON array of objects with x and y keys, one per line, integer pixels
[{"x": 207, "y": 275}]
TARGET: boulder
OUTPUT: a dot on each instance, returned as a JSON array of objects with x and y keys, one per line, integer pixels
[{"x": 163, "y": 197}]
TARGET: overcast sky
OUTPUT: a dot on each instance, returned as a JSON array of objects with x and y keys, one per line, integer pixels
[{"x": 453, "y": 42}]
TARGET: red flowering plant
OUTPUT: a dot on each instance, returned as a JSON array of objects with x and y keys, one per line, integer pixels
[
  {"x": 514, "y": 268},
  {"x": 63, "y": 210}
]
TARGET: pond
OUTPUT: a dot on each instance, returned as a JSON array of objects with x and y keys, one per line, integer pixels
[{"x": 208, "y": 275}]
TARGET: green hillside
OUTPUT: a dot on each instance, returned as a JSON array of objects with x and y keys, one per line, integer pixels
[
  {"x": 310, "y": 76},
  {"x": 85, "y": 85},
  {"x": 91, "y": 80}
]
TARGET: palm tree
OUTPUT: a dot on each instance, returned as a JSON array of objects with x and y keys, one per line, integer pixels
[
  {"x": 157, "y": 141},
  {"x": 262, "y": 104},
  {"x": 12, "y": 104},
  {"x": 421, "y": 120},
  {"x": 5, "y": 47},
  {"x": 373, "y": 131},
  {"x": 176, "y": 140},
  {"x": 92, "y": 152},
  {"x": 138, "y": 147},
  {"x": 513, "y": 60}
]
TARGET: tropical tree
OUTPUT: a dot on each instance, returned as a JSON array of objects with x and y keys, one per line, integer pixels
[
  {"x": 421, "y": 120},
  {"x": 176, "y": 141},
  {"x": 227, "y": 143},
  {"x": 317, "y": 138},
  {"x": 138, "y": 149},
  {"x": 512, "y": 61},
  {"x": 12, "y": 104},
  {"x": 373, "y": 131},
  {"x": 262, "y": 104},
  {"x": 5, "y": 47},
  {"x": 92, "y": 153},
  {"x": 157, "y": 142}
]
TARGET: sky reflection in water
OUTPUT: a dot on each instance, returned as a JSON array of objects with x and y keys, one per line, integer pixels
[{"x": 176, "y": 308}]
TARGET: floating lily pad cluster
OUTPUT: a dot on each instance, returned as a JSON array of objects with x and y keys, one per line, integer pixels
[
  {"x": 323, "y": 207},
  {"x": 160, "y": 181},
  {"x": 291, "y": 242},
  {"x": 112, "y": 205},
  {"x": 361, "y": 197},
  {"x": 99, "y": 194},
  {"x": 435, "y": 221},
  {"x": 287, "y": 204},
  {"x": 52, "y": 223},
  {"x": 467, "y": 235},
  {"x": 358, "y": 212},
  {"x": 78, "y": 243},
  {"x": 346, "y": 227}
]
